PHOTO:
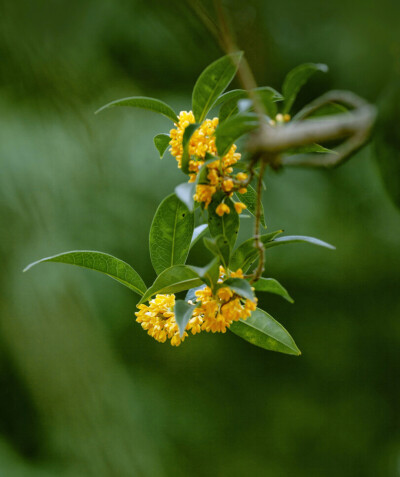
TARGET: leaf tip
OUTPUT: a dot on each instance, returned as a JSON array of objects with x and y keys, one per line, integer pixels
[
  {"x": 100, "y": 109},
  {"x": 323, "y": 67}
]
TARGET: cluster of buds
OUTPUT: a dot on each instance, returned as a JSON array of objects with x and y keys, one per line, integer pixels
[
  {"x": 215, "y": 312},
  {"x": 219, "y": 176}
]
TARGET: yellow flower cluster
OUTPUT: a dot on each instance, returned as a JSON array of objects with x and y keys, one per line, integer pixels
[
  {"x": 214, "y": 313},
  {"x": 219, "y": 176}
]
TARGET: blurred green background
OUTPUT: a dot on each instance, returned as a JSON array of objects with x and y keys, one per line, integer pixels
[{"x": 83, "y": 390}]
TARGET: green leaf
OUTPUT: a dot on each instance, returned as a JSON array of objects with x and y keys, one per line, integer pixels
[
  {"x": 170, "y": 234},
  {"x": 183, "y": 312},
  {"x": 208, "y": 274},
  {"x": 246, "y": 253},
  {"x": 233, "y": 128},
  {"x": 240, "y": 286},
  {"x": 266, "y": 95},
  {"x": 260, "y": 329},
  {"x": 212, "y": 82},
  {"x": 198, "y": 233},
  {"x": 185, "y": 193},
  {"x": 227, "y": 225},
  {"x": 295, "y": 79},
  {"x": 229, "y": 95},
  {"x": 219, "y": 246},
  {"x": 228, "y": 109},
  {"x": 271, "y": 285},
  {"x": 144, "y": 103},
  {"x": 250, "y": 201},
  {"x": 298, "y": 238},
  {"x": 191, "y": 294},
  {"x": 203, "y": 171},
  {"x": 328, "y": 109},
  {"x": 173, "y": 280},
  {"x": 308, "y": 149},
  {"x": 101, "y": 262},
  {"x": 161, "y": 141},
  {"x": 189, "y": 130}
]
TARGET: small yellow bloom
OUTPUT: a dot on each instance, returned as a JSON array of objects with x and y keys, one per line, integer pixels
[
  {"x": 158, "y": 319},
  {"x": 241, "y": 176},
  {"x": 239, "y": 207},
  {"x": 237, "y": 274},
  {"x": 243, "y": 190},
  {"x": 204, "y": 193},
  {"x": 225, "y": 293},
  {"x": 227, "y": 185},
  {"x": 213, "y": 177},
  {"x": 222, "y": 209}
]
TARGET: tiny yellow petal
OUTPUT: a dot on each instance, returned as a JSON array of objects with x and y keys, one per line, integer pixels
[
  {"x": 222, "y": 209},
  {"x": 239, "y": 207}
]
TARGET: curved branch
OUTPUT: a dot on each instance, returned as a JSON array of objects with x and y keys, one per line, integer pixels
[{"x": 355, "y": 125}]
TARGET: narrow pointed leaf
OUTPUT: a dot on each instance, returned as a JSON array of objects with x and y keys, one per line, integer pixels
[
  {"x": 295, "y": 79},
  {"x": 308, "y": 149},
  {"x": 271, "y": 285},
  {"x": 170, "y": 234},
  {"x": 161, "y": 141},
  {"x": 173, "y": 280},
  {"x": 228, "y": 109},
  {"x": 260, "y": 329},
  {"x": 198, "y": 233},
  {"x": 189, "y": 130},
  {"x": 208, "y": 274},
  {"x": 183, "y": 312},
  {"x": 240, "y": 286},
  {"x": 232, "y": 129},
  {"x": 220, "y": 247},
  {"x": 249, "y": 199},
  {"x": 227, "y": 225},
  {"x": 212, "y": 82},
  {"x": 246, "y": 253},
  {"x": 298, "y": 238},
  {"x": 143, "y": 102},
  {"x": 101, "y": 262},
  {"x": 327, "y": 109},
  {"x": 266, "y": 95},
  {"x": 229, "y": 95}
]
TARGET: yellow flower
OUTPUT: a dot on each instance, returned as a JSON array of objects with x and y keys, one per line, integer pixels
[
  {"x": 219, "y": 312},
  {"x": 158, "y": 319},
  {"x": 239, "y": 206},
  {"x": 227, "y": 185},
  {"x": 241, "y": 176},
  {"x": 213, "y": 177},
  {"x": 204, "y": 193},
  {"x": 225, "y": 293},
  {"x": 222, "y": 209},
  {"x": 237, "y": 274},
  {"x": 219, "y": 172}
]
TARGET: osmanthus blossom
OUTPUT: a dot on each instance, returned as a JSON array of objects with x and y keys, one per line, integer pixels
[
  {"x": 215, "y": 180},
  {"x": 214, "y": 312},
  {"x": 219, "y": 172}
]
